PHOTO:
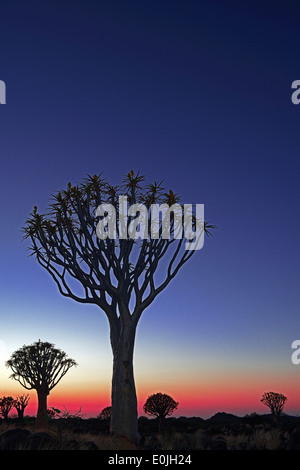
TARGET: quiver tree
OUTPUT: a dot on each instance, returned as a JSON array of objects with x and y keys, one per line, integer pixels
[
  {"x": 160, "y": 405},
  {"x": 105, "y": 413},
  {"x": 39, "y": 366},
  {"x": 275, "y": 401},
  {"x": 97, "y": 255},
  {"x": 6, "y": 404},
  {"x": 20, "y": 404}
]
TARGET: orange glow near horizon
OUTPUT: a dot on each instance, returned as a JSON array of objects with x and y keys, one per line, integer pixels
[
  {"x": 91, "y": 406},
  {"x": 231, "y": 397},
  {"x": 238, "y": 392}
]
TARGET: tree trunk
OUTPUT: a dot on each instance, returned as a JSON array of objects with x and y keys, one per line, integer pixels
[
  {"x": 123, "y": 423},
  {"x": 42, "y": 415},
  {"x": 161, "y": 424},
  {"x": 20, "y": 412}
]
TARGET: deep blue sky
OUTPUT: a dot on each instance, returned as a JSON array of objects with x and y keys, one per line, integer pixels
[{"x": 197, "y": 93}]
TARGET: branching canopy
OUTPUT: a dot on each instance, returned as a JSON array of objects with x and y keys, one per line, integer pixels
[
  {"x": 117, "y": 274},
  {"x": 160, "y": 405},
  {"x": 275, "y": 401},
  {"x": 21, "y": 402},
  {"x": 39, "y": 365},
  {"x": 6, "y": 404},
  {"x": 105, "y": 413}
]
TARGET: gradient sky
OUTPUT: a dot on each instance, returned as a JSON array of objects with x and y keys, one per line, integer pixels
[{"x": 197, "y": 93}]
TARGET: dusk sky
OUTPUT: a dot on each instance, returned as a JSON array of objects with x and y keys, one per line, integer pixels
[{"x": 197, "y": 93}]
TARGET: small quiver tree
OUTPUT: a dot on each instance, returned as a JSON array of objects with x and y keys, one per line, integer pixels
[
  {"x": 275, "y": 401},
  {"x": 39, "y": 366},
  {"x": 6, "y": 404},
  {"x": 105, "y": 417},
  {"x": 105, "y": 413},
  {"x": 160, "y": 405},
  {"x": 20, "y": 404}
]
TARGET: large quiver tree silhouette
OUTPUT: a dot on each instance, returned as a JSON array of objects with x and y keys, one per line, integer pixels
[
  {"x": 115, "y": 272},
  {"x": 39, "y": 366}
]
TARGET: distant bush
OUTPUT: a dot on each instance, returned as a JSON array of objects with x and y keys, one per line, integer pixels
[{"x": 105, "y": 413}]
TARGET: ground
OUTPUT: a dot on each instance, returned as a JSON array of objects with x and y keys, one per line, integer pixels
[{"x": 221, "y": 432}]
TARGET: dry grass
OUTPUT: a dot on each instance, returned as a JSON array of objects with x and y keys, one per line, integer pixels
[
  {"x": 258, "y": 437},
  {"x": 102, "y": 442},
  {"x": 68, "y": 439},
  {"x": 65, "y": 438}
]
